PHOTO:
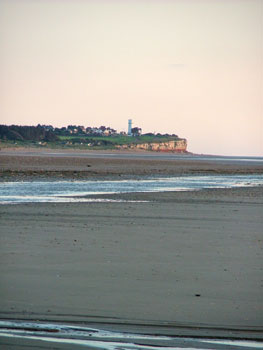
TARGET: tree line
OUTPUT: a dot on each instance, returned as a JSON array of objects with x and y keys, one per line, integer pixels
[
  {"x": 47, "y": 133},
  {"x": 27, "y": 133}
]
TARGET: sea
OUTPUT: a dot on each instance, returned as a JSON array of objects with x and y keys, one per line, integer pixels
[{"x": 82, "y": 191}]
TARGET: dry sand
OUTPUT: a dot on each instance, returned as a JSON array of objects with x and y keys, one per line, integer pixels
[{"x": 187, "y": 263}]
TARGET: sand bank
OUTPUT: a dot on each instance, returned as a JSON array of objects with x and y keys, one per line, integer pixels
[{"x": 41, "y": 164}]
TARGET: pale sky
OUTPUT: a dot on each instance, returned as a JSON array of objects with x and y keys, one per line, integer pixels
[{"x": 190, "y": 67}]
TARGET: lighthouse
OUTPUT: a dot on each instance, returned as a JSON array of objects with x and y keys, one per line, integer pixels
[{"x": 129, "y": 127}]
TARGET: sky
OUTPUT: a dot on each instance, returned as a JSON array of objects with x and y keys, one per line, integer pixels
[{"x": 189, "y": 67}]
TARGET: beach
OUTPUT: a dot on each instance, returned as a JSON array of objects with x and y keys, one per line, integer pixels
[{"x": 181, "y": 263}]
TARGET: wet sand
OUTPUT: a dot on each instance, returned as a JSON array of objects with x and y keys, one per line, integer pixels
[
  {"x": 182, "y": 263},
  {"x": 193, "y": 261}
]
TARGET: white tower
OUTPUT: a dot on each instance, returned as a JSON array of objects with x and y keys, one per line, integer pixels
[{"x": 129, "y": 127}]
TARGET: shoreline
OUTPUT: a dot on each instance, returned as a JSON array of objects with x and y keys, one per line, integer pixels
[
  {"x": 68, "y": 336},
  {"x": 252, "y": 194},
  {"x": 124, "y": 328}
]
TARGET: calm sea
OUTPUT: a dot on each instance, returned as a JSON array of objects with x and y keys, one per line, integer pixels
[{"x": 75, "y": 191}]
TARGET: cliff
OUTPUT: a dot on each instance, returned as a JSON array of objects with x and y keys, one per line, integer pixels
[{"x": 179, "y": 146}]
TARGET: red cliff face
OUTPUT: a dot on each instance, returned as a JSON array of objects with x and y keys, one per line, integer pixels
[{"x": 169, "y": 146}]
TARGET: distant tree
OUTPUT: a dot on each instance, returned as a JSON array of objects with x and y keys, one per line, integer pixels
[
  {"x": 136, "y": 131},
  {"x": 30, "y": 133},
  {"x": 50, "y": 136}
]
